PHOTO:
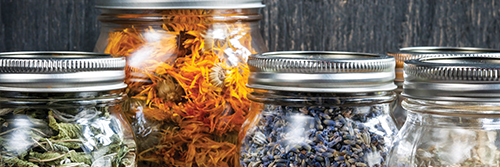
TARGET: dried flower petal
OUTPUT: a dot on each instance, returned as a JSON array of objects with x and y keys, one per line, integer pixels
[
  {"x": 180, "y": 87},
  {"x": 218, "y": 75}
]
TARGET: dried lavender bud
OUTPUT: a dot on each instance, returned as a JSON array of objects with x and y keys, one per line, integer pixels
[{"x": 318, "y": 136}]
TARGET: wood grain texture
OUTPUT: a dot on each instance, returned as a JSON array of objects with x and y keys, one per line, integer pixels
[
  {"x": 48, "y": 25},
  {"x": 374, "y": 26},
  {"x": 380, "y": 25}
]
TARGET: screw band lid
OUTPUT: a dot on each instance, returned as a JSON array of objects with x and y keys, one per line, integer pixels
[
  {"x": 179, "y": 4},
  {"x": 341, "y": 72},
  {"x": 457, "y": 78},
  {"x": 410, "y": 53},
  {"x": 60, "y": 72}
]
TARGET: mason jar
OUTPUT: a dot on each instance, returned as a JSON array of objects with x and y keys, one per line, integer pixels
[
  {"x": 410, "y": 53},
  {"x": 319, "y": 109},
  {"x": 453, "y": 106},
  {"x": 186, "y": 74},
  {"x": 63, "y": 109}
]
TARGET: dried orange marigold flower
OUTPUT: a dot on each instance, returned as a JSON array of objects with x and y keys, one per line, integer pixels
[
  {"x": 218, "y": 75},
  {"x": 186, "y": 86}
]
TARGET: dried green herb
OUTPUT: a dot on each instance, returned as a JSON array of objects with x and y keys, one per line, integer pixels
[{"x": 63, "y": 137}]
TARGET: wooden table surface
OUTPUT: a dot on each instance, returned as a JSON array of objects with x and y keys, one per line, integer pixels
[{"x": 350, "y": 25}]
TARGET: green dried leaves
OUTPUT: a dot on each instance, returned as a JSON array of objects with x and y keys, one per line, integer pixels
[
  {"x": 82, "y": 137},
  {"x": 66, "y": 130}
]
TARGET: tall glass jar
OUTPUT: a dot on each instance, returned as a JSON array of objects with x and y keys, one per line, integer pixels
[
  {"x": 186, "y": 74},
  {"x": 319, "y": 109},
  {"x": 453, "y": 106},
  {"x": 63, "y": 109},
  {"x": 410, "y": 53}
]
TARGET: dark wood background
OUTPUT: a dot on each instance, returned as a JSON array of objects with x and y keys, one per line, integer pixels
[{"x": 350, "y": 25}]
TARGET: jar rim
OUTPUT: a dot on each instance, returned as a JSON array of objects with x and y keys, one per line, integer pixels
[
  {"x": 61, "y": 99},
  {"x": 314, "y": 98},
  {"x": 452, "y": 108},
  {"x": 178, "y": 4}
]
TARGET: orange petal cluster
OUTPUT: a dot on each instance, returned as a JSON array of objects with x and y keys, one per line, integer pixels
[{"x": 175, "y": 60}]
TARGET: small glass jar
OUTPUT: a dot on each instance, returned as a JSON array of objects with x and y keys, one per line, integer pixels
[
  {"x": 63, "y": 109},
  {"x": 410, "y": 53},
  {"x": 186, "y": 74},
  {"x": 319, "y": 109},
  {"x": 453, "y": 106}
]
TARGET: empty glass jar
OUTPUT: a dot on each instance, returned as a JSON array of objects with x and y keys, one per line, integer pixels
[
  {"x": 453, "y": 106},
  {"x": 319, "y": 109},
  {"x": 410, "y": 53},
  {"x": 63, "y": 109},
  {"x": 186, "y": 74}
]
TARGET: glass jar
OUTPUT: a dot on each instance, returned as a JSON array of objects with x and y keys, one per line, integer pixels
[
  {"x": 399, "y": 113},
  {"x": 453, "y": 106},
  {"x": 319, "y": 109},
  {"x": 410, "y": 53},
  {"x": 63, "y": 109},
  {"x": 186, "y": 74}
]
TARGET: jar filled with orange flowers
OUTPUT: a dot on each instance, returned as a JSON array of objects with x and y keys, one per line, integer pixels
[{"x": 186, "y": 74}]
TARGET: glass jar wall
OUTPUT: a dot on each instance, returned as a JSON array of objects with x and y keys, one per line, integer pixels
[
  {"x": 63, "y": 109},
  {"x": 65, "y": 129},
  {"x": 447, "y": 133},
  {"x": 399, "y": 113},
  {"x": 314, "y": 129},
  {"x": 186, "y": 78},
  {"x": 319, "y": 109},
  {"x": 410, "y": 53},
  {"x": 453, "y": 113}
]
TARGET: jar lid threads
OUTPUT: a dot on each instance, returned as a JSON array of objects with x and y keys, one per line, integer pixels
[
  {"x": 179, "y": 4},
  {"x": 310, "y": 71},
  {"x": 60, "y": 72},
  {"x": 410, "y": 53},
  {"x": 457, "y": 78}
]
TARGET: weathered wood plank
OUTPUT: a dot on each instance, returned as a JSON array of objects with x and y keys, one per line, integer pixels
[
  {"x": 48, "y": 25},
  {"x": 362, "y": 25}
]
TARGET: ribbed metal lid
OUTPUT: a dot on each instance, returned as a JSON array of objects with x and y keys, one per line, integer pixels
[
  {"x": 410, "y": 53},
  {"x": 458, "y": 78},
  {"x": 60, "y": 72},
  {"x": 341, "y": 72},
  {"x": 179, "y": 4}
]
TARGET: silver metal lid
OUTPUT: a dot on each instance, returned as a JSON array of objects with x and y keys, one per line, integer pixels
[
  {"x": 458, "y": 78},
  {"x": 340, "y": 72},
  {"x": 179, "y": 4},
  {"x": 60, "y": 72},
  {"x": 410, "y": 53}
]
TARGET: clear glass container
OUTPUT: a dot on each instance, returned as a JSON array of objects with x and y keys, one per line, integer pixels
[
  {"x": 410, "y": 53},
  {"x": 399, "y": 113},
  {"x": 453, "y": 113},
  {"x": 186, "y": 76},
  {"x": 65, "y": 129},
  {"x": 48, "y": 119},
  {"x": 310, "y": 129},
  {"x": 448, "y": 133},
  {"x": 307, "y": 124}
]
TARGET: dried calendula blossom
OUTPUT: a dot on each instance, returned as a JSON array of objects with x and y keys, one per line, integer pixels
[
  {"x": 218, "y": 75},
  {"x": 186, "y": 81},
  {"x": 168, "y": 90}
]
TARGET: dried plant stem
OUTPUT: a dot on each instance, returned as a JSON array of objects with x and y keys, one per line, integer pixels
[
  {"x": 51, "y": 159},
  {"x": 14, "y": 129},
  {"x": 60, "y": 141}
]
